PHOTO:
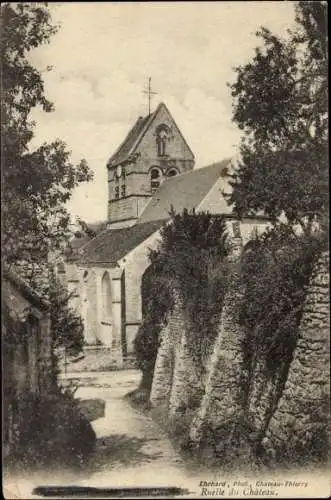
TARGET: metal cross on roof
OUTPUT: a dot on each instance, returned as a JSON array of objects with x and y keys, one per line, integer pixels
[{"x": 150, "y": 93}]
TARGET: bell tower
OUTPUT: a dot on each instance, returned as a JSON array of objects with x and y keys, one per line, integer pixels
[{"x": 153, "y": 150}]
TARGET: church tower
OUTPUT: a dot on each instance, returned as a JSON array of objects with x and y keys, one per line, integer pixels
[{"x": 153, "y": 150}]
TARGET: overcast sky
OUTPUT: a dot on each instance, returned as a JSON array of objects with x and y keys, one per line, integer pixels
[{"x": 103, "y": 55}]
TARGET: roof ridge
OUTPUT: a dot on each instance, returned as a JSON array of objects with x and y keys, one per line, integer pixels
[
  {"x": 191, "y": 188},
  {"x": 178, "y": 129},
  {"x": 114, "y": 244},
  {"x": 145, "y": 128},
  {"x": 127, "y": 137},
  {"x": 118, "y": 229},
  {"x": 216, "y": 164}
]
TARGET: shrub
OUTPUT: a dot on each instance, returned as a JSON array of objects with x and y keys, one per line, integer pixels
[
  {"x": 67, "y": 328},
  {"x": 66, "y": 324},
  {"x": 157, "y": 301},
  {"x": 53, "y": 431},
  {"x": 191, "y": 258}
]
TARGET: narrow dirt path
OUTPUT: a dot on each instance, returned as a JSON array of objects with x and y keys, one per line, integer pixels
[{"x": 131, "y": 448}]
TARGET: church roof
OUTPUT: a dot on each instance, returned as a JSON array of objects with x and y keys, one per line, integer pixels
[
  {"x": 135, "y": 135},
  {"x": 183, "y": 191},
  {"x": 113, "y": 244},
  {"x": 81, "y": 238},
  {"x": 124, "y": 150}
]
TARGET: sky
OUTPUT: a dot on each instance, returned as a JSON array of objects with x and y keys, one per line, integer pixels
[{"x": 103, "y": 55}]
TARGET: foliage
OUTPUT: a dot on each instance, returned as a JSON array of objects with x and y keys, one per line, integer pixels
[
  {"x": 190, "y": 256},
  {"x": 280, "y": 102},
  {"x": 67, "y": 326},
  {"x": 190, "y": 261},
  {"x": 36, "y": 183},
  {"x": 311, "y": 444},
  {"x": 157, "y": 301},
  {"x": 275, "y": 272},
  {"x": 52, "y": 431}
]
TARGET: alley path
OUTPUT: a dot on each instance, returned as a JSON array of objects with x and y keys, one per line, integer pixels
[{"x": 131, "y": 449}]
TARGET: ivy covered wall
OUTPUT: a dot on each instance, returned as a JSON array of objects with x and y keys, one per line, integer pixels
[{"x": 238, "y": 330}]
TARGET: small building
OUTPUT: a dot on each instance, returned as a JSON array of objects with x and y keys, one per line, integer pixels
[{"x": 27, "y": 349}]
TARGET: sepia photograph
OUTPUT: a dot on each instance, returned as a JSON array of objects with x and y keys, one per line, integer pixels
[{"x": 165, "y": 250}]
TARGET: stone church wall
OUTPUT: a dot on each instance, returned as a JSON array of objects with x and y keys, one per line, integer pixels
[
  {"x": 135, "y": 263},
  {"x": 91, "y": 317},
  {"x": 137, "y": 180},
  {"x": 125, "y": 208},
  {"x": 176, "y": 147},
  {"x": 102, "y": 316}
]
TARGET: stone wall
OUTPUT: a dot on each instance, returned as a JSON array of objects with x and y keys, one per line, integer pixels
[
  {"x": 180, "y": 385},
  {"x": 27, "y": 357},
  {"x": 101, "y": 314},
  {"x": 177, "y": 376},
  {"x": 134, "y": 264},
  {"x": 287, "y": 413},
  {"x": 221, "y": 411},
  {"x": 302, "y": 413}
]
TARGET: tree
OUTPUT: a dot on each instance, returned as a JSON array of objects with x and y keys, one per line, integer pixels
[
  {"x": 67, "y": 326},
  {"x": 36, "y": 184},
  {"x": 280, "y": 103}
]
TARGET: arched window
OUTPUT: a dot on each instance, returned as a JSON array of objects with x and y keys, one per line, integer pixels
[
  {"x": 106, "y": 297},
  {"x": 119, "y": 182},
  {"x": 161, "y": 144},
  {"x": 162, "y": 134},
  {"x": 123, "y": 181},
  {"x": 117, "y": 188},
  {"x": 155, "y": 179},
  {"x": 172, "y": 172}
]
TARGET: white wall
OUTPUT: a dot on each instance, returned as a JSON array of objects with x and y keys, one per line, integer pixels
[{"x": 135, "y": 263}]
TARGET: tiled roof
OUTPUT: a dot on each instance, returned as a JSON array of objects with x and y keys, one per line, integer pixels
[
  {"x": 122, "y": 153},
  {"x": 183, "y": 191},
  {"x": 113, "y": 244},
  {"x": 82, "y": 239}
]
